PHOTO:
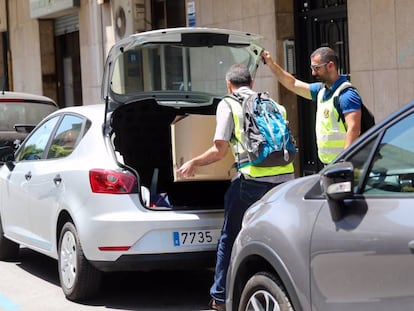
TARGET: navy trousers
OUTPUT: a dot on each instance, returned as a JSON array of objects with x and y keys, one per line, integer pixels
[{"x": 241, "y": 194}]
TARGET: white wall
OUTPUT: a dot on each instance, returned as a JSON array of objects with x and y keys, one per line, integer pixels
[
  {"x": 381, "y": 47},
  {"x": 92, "y": 37},
  {"x": 25, "y": 49}
]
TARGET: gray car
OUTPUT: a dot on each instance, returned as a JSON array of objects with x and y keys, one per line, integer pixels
[
  {"x": 342, "y": 239},
  {"x": 19, "y": 114}
]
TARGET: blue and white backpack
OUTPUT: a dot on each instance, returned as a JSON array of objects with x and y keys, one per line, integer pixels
[{"x": 265, "y": 132}]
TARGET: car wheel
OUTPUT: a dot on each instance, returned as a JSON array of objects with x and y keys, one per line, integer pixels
[
  {"x": 263, "y": 292},
  {"x": 8, "y": 249},
  {"x": 78, "y": 278}
]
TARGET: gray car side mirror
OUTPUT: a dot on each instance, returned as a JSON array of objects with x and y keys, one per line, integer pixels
[{"x": 337, "y": 183}]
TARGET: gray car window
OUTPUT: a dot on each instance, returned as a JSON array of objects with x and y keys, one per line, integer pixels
[
  {"x": 392, "y": 170},
  {"x": 34, "y": 147},
  {"x": 359, "y": 161}
]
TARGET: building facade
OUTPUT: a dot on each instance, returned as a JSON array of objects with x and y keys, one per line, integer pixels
[{"x": 57, "y": 48}]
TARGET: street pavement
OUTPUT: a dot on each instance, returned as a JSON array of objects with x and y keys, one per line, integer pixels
[{"x": 32, "y": 284}]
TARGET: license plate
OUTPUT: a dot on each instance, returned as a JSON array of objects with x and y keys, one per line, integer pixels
[{"x": 196, "y": 237}]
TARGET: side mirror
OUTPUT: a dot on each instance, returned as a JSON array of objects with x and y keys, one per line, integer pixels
[
  {"x": 24, "y": 128},
  {"x": 337, "y": 182}
]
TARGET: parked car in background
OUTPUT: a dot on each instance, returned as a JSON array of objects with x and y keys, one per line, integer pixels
[
  {"x": 342, "y": 239},
  {"x": 19, "y": 114},
  {"x": 93, "y": 186}
]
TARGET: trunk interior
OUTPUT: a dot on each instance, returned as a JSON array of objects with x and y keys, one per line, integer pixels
[{"x": 142, "y": 135}]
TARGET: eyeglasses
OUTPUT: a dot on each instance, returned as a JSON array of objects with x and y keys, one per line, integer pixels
[{"x": 317, "y": 67}]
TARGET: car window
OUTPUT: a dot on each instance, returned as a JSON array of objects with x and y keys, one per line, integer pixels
[
  {"x": 161, "y": 67},
  {"x": 35, "y": 146},
  {"x": 359, "y": 161},
  {"x": 12, "y": 113},
  {"x": 66, "y": 137},
  {"x": 392, "y": 168}
]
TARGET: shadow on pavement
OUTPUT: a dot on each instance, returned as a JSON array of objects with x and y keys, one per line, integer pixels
[{"x": 152, "y": 291}]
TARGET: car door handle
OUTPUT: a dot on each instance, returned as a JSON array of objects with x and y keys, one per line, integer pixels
[
  {"x": 57, "y": 180},
  {"x": 411, "y": 244},
  {"x": 28, "y": 175}
]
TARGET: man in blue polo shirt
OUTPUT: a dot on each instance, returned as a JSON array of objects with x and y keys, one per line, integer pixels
[{"x": 332, "y": 135}]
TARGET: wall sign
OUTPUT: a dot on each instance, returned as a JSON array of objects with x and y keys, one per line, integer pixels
[{"x": 191, "y": 15}]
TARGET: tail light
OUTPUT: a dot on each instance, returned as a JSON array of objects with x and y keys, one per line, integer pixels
[{"x": 112, "y": 182}]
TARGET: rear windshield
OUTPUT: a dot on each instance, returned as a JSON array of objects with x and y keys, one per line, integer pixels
[
  {"x": 161, "y": 67},
  {"x": 27, "y": 113}
]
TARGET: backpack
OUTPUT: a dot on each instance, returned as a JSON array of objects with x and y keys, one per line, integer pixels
[
  {"x": 367, "y": 117},
  {"x": 266, "y": 136}
]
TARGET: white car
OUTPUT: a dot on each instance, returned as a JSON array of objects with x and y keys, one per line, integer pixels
[{"x": 94, "y": 186}]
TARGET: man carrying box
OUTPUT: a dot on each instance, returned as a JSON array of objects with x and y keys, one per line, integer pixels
[{"x": 247, "y": 186}]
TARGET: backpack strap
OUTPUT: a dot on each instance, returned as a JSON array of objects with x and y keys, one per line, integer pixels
[
  {"x": 367, "y": 117},
  {"x": 236, "y": 96},
  {"x": 241, "y": 157},
  {"x": 336, "y": 102},
  {"x": 232, "y": 97}
]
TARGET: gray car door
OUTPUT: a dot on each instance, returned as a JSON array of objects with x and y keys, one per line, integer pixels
[{"x": 365, "y": 261}]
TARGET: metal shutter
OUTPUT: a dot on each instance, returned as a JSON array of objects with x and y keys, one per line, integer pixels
[{"x": 66, "y": 24}]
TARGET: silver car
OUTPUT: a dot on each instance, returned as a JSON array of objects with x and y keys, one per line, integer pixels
[
  {"x": 342, "y": 239},
  {"x": 94, "y": 187}
]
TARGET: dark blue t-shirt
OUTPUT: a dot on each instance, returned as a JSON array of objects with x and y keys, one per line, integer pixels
[{"x": 349, "y": 98}]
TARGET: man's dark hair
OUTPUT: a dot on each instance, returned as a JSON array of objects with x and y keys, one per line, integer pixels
[
  {"x": 327, "y": 55},
  {"x": 239, "y": 75}
]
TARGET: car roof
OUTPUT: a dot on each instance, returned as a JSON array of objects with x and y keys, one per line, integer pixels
[
  {"x": 396, "y": 114},
  {"x": 379, "y": 126},
  {"x": 94, "y": 112},
  {"x": 87, "y": 110},
  {"x": 9, "y": 96}
]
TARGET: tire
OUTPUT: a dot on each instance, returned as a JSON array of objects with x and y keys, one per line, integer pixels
[
  {"x": 8, "y": 249},
  {"x": 263, "y": 292},
  {"x": 78, "y": 278}
]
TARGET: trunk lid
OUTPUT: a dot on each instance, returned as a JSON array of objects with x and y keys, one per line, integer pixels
[{"x": 177, "y": 66}]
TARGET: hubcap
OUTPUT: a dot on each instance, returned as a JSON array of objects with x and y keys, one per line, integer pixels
[
  {"x": 68, "y": 260},
  {"x": 262, "y": 300}
]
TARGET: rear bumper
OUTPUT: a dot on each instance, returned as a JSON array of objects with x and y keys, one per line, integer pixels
[{"x": 169, "y": 261}]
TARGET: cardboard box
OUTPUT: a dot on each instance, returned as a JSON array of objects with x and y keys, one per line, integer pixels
[{"x": 191, "y": 136}]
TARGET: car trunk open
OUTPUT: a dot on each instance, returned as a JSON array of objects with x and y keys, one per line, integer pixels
[
  {"x": 142, "y": 135},
  {"x": 152, "y": 79}
]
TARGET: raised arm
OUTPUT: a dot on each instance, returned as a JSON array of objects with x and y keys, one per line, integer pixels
[{"x": 286, "y": 79}]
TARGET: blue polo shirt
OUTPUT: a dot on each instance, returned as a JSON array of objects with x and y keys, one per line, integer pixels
[{"x": 349, "y": 99}]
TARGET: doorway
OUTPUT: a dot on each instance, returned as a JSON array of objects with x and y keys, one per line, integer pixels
[
  {"x": 318, "y": 23},
  {"x": 168, "y": 13},
  {"x": 68, "y": 66}
]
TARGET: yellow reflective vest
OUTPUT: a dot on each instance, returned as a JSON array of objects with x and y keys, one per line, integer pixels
[
  {"x": 330, "y": 133},
  {"x": 237, "y": 148}
]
